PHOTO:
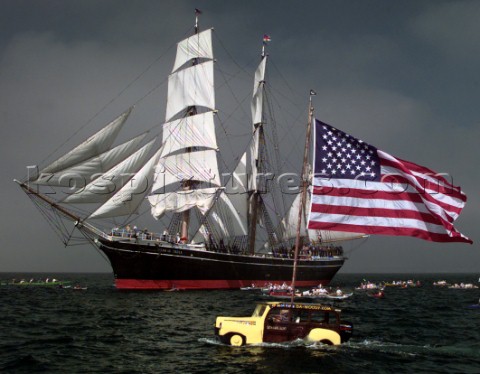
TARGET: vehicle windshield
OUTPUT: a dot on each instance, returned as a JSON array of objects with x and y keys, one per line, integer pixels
[{"x": 259, "y": 310}]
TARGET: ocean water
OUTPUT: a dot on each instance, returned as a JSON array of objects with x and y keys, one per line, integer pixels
[{"x": 103, "y": 330}]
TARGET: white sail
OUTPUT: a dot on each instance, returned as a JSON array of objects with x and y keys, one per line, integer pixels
[
  {"x": 196, "y": 46},
  {"x": 258, "y": 87},
  {"x": 290, "y": 224},
  {"x": 231, "y": 206},
  {"x": 189, "y": 132},
  {"x": 83, "y": 173},
  {"x": 257, "y": 118},
  {"x": 237, "y": 219},
  {"x": 193, "y": 86},
  {"x": 93, "y": 146},
  {"x": 189, "y": 142},
  {"x": 324, "y": 236},
  {"x": 101, "y": 189},
  {"x": 181, "y": 201},
  {"x": 128, "y": 199},
  {"x": 236, "y": 191},
  {"x": 196, "y": 166}
]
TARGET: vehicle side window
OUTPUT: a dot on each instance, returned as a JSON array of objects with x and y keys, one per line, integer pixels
[
  {"x": 279, "y": 315},
  {"x": 334, "y": 317},
  {"x": 319, "y": 316},
  {"x": 299, "y": 315},
  {"x": 324, "y": 317}
]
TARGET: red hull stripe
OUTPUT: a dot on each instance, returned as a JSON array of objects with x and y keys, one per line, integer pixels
[{"x": 142, "y": 284}]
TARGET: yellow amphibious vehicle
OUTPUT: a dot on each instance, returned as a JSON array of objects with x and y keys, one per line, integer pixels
[{"x": 283, "y": 322}]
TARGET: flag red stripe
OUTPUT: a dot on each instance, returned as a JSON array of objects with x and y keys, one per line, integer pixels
[
  {"x": 396, "y": 231},
  {"x": 375, "y": 212},
  {"x": 425, "y": 184},
  {"x": 422, "y": 169},
  {"x": 384, "y": 213},
  {"x": 373, "y": 194},
  {"x": 442, "y": 186},
  {"x": 366, "y": 194}
]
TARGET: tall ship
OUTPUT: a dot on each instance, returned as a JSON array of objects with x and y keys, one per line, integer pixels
[{"x": 215, "y": 228}]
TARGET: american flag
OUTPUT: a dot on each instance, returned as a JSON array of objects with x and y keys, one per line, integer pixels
[{"x": 359, "y": 188}]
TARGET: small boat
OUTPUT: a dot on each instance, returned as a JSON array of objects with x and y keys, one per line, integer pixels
[
  {"x": 40, "y": 283},
  {"x": 79, "y": 288},
  {"x": 441, "y": 283},
  {"x": 251, "y": 288},
  {"x": 403, "y": 284},
  {"x": 277, "y": 322},
  {"x": 318, "y": 292},
  {"x": 173, "y": 289},
  {"x": 315, "y": 294},
  {"x": 377, "y": 295},
  {"x": 367, "y": 286},
  {"x": 275, "y": 287},
  {"x": 281, "y": 294},
  {"x": 463, "y": 286},
  {"x": 343, "y": 296}
]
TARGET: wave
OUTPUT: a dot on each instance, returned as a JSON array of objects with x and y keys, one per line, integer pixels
[{"x": 454, "y": 351}]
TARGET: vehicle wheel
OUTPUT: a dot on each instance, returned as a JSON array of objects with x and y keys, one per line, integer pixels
[
  {"x": 237, "y": 340},
  {"x": 326, "y": 342}
]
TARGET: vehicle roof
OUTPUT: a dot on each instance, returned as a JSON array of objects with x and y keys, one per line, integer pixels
[{"x": 295, "y": 305}]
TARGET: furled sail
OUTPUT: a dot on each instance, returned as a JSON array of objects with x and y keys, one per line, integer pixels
[
  {"x": 96, "y": 144},
  {"x": 128, "y": 199},
  {"x": 101, "y": 189},
  {"x": 81, "y": 174},
  {"x": 181, "y": 201}
]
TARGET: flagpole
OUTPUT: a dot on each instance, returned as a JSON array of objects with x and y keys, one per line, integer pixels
[
  {"x": 304, "y": 193},
  {"x": 197, "y": 13},
  {"x": 266, "y": 39}
]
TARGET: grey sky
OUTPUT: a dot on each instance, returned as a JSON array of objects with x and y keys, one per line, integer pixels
[{"x": 402, "y": 76}]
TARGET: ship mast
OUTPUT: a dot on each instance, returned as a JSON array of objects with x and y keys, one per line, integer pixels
[
  {"x": 197, "y": 13},
  {"x": 257, "y": 149},
  {"x": 304, "y": 192},
  {"x": 252, "y": 229},
  {"x": 188, "y": 184}
]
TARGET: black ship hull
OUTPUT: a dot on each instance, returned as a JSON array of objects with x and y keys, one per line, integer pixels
[{"x": 176, "y": 266}]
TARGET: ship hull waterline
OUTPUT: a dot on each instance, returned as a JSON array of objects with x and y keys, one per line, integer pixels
[{"x": 169, "y": 266}]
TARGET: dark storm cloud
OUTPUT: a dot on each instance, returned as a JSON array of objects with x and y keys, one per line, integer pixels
[{"x": 400, "y": 75}]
